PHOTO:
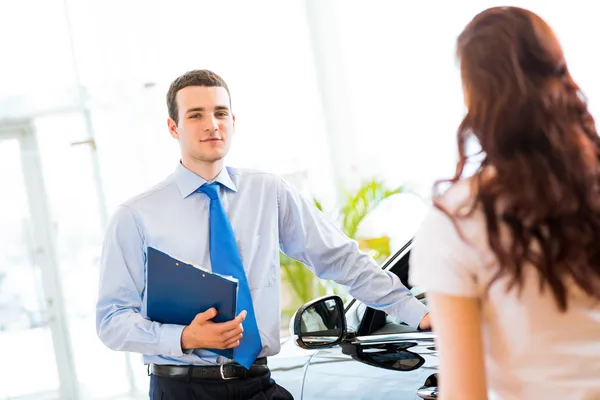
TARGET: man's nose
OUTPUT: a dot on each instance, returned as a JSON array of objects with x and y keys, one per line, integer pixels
[{"x": 212, "y": 124}]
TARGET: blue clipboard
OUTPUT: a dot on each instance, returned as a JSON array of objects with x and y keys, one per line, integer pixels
[{"x": 177, "y": 291}]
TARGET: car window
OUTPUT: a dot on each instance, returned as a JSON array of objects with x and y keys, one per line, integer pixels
[{"x": 365, "y": 320}]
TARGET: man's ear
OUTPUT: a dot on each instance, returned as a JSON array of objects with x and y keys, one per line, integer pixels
[
  {"x": 233, "y": 117},
  {"x": 173, "y": 128}
]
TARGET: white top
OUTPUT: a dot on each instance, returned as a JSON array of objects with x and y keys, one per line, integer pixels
[{"x": 532, "y": 350}]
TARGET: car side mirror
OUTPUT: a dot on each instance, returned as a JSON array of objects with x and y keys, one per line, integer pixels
[{"x": 320, "y": 323}]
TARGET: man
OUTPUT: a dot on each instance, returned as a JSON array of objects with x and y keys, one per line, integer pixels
[{"x": 198, "y": 208}]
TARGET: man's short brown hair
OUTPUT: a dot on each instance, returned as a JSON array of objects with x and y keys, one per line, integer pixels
[{"x": 197, "y": 77}]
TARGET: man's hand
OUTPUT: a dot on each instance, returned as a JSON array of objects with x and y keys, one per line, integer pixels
[
  {"x": 202, "y": 333},
  {"x": 425, "y": 323}
]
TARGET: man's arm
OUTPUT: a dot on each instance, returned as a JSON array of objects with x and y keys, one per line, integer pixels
[
  {"x": 119, "y": 322},
  {"x": 308, "y": 236}
]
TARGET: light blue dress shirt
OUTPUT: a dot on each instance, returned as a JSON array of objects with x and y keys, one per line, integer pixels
[{"x": 266, "y": 215}]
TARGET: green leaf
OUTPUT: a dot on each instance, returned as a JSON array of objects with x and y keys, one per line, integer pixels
[
  {"x": 379, "y": 246},
  {"x": 318, "y": 204},
  {"x": 361, "y": 203}
]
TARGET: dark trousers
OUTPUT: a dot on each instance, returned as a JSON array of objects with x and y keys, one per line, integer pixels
[{"x": 257, "y": 388}]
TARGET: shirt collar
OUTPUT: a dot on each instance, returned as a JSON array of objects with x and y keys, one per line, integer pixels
[{"x": 188, "y": 182}]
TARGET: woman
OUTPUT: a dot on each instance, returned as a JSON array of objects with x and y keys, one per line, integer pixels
[{"x": 511, "y": 255}]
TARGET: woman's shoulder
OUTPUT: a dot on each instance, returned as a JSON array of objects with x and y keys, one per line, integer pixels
[
  {"x": 458, "y": 198},
  {"x": 458, "y": 207},
  {"x": 445, "y": 254}
]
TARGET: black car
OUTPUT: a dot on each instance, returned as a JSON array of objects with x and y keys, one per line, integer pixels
[{"x": 356, "y": 352}]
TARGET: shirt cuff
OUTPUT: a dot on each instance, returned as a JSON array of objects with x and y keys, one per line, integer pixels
[
  {"x": 412, "y": 312},
  {"x": 170, "y": 340}
]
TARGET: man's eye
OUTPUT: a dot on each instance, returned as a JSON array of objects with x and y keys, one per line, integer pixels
[
  {"x": 195, "y": 116},
  {"x": 222, "y": 114}
]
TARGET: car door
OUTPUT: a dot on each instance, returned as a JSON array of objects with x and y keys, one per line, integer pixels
[
  {"x": 394, "y": 366},
  {"x": 375, "y": 358},
  {"x": 384, "y": 360}
]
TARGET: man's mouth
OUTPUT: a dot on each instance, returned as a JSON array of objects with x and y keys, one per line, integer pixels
[{"x": 211, "y": 140}]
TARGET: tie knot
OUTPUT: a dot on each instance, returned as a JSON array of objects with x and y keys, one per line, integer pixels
[{"x": 210, "y": 189}]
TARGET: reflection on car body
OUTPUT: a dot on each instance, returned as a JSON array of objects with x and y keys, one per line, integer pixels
[{"x": 356, "y": 352}]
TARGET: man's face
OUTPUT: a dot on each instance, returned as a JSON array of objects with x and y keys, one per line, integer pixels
[{"x": 206, "y": 123}]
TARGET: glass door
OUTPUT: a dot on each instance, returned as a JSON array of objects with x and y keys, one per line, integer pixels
[
  {"x": 37, "y": 360},
  {"x": 77, "y": 214}
]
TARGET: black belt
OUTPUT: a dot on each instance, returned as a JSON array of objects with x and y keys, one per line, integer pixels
[{"x": 220, "y": 372}]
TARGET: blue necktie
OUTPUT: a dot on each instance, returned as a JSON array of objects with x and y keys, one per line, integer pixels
[{"x": 225, "y": 259}]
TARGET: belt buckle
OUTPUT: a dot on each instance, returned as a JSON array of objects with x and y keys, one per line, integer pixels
[{"x": 222, "y": 371}]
